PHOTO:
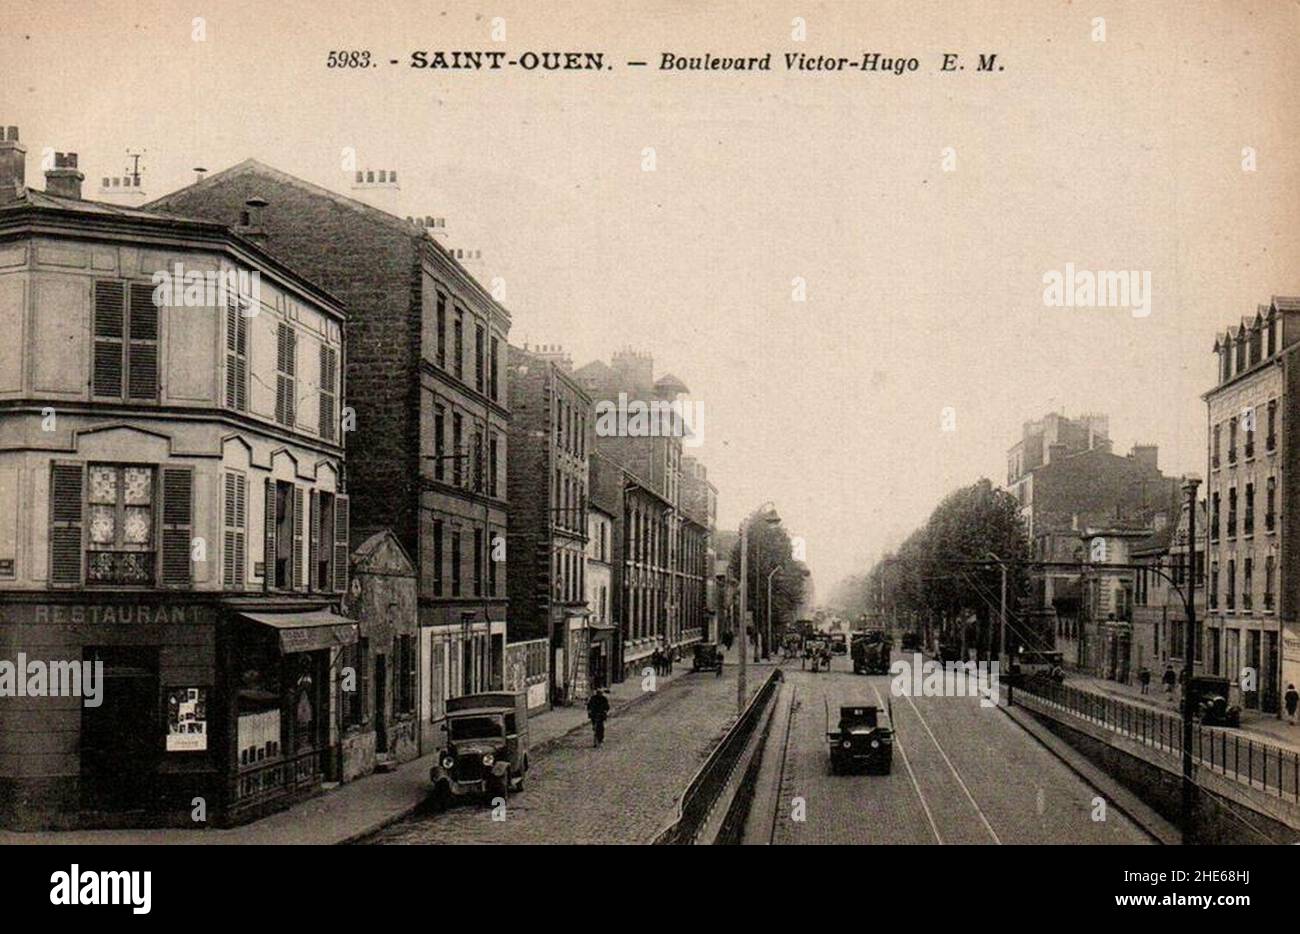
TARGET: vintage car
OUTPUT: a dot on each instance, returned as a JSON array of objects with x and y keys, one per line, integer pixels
[
  {"x": 707, "y": 657},
  {"x": 1210, "y": 701},
  {"x": 870, "y": 652},
  {"x": 911, "y": 641},
  {"x": 839, "y": 644},
  {"x": 816, "y": 654},
  {"x": 861, "y": 737},
  {"x": 1035, "y": 666},
  {"x": 484, "y": 747}
]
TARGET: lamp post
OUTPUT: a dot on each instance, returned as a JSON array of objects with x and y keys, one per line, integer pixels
[
  {"x": 1190, "y": 484},
  {"x": 1002, "y": 614},
  {"x": 768, "y": 626}
]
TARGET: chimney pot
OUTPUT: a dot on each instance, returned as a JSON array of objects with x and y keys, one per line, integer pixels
[
  {"x": 64, "y": 180},
  {"x": 251, "y": 223},
  {"x": 13, "y": 166}
]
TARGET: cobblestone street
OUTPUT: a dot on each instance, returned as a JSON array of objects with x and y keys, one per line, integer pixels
[{"x": 624, "y": 792}]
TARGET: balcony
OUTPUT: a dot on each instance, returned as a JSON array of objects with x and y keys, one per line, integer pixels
[{"x": 135, "y": 568}]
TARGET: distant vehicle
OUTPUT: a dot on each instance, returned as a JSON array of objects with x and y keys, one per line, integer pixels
[
  {"x": 860, "y": 735},
  {"x": 870, "y": 652},
  {"x": 1036, "y": 665},
  {"x": 911, "y": 641},
  {"x": 949, "y": 651},
  {"x": 839, "y": 644},
  {"x": 816, "y": 654},
  {"x": 1210, "y": 701},
  {"x": 485, "y": 747},
  {"x": 707, "y": 657}
]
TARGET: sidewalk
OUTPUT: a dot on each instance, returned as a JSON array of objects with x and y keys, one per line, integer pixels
[
  {"x": 359, "y": 807},
  {"x": 1261, "y": 727}
]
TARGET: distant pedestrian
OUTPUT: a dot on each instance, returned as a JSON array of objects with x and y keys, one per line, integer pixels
[
  {"x": 668, "y": 661},
  {"x": 657, "y": 661},
  {"x": 1169, "y": 679},
  {"x": 1144, "y": 679},
  {"x": 597, "y": 712},
  {"x": 1292, "y": 701}
]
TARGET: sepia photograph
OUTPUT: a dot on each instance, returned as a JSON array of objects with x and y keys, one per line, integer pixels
[{"x": 856, "y": 423}]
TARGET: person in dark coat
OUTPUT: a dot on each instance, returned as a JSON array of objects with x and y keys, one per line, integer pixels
[
  {"x": 597, "y": 713},
  {"x": 657, "y": 661},
  {"x": 1292, "y": 699},
  {"x": 1144, "y": 679},
  {"x": 1169, "y": 679}
]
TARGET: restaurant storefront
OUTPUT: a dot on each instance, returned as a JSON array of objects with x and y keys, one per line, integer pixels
[{"x": 191, "y": 713}]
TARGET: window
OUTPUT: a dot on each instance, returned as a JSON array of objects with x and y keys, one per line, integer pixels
[
  {"x": 1248, "y": 523},
  {"x": 1270, "y": 441},
  {"x": 236, "y": 357},
  {"x": 329, "y": 542},
  {"x": 442, "y": 330},
  {"x": 479, "y": 478},
  {"x": 120, "y": 537},
  {"x": 1272, "y": 333},
  {"x": 1214, "y": 518},
  {"x": 285, "y": 522},
  {"x": 458, "y": 348},
  {"x": 1248, "y": 430},
  {"x": 1214, "y": 459},
  {"x": 329, "y": 374},
  {"x": 492, "y": 466},
  {"x": 437, "y": 557},
  {"x": 1232, "y": 512},
  {"x": 1270, "y": 494},
  {"x": 457, "y": 440},
  {"x": 126, "y": 341},
  {"x": 235, "y": 531},
  {"x": 478, "y": 562},
  {"x": 1268, "y": 582},
  {"x": 286, "y": 355},
  {"x": 354, "y": 701},
  {"x": 1232, "y": 584},
  {"x": 455, "y": 564},
  {"x": 492, "y": 565},
  {"x": 439, "y": 442},
  {"x": 494, "y": 362},
  {"x": 1247, "y": 584},
  {"x": 1232, "y": 441},
  {"x": 480, "y": 364},
  {"x": 1214, "y": 584}
]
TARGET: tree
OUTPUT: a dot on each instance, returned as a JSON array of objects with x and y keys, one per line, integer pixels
[{"x": 769, "y": 547}]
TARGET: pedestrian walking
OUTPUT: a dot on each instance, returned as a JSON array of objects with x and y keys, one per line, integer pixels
[
  {"x": 668, "y": 661},
  {"x": 597, "y": 712},
  {"x": 1144, "y": 679},
  {"x": 1292, "y": 701},
  {"x": 1169, "y": 678}
]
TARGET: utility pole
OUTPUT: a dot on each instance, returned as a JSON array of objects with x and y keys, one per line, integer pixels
[
  {"x": 744, "y": 628},
  {"x": 1190, "y": 483}
]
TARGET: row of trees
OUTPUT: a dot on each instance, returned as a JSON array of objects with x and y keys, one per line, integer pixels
[
  {"x": 933, "y": 583},
  {"x": 770, "y": 550}
]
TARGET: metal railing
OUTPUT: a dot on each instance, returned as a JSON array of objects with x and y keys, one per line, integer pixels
[
  {"x": 1262, "y": 766},
  {"x": 703, "y": 791}
]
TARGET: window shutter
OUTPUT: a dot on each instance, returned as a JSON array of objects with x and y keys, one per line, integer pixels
[
  {"x": 110, "y": 321},
  {"x": 178, "y": 523},
  {"x": 286, "y": 363},
  {"x": 142, "y": 352},
  {"x": 340, "y": 543},
  {"x": 299, "y": 517},
  {"x": 65, "y": 524},
  {"x": 268, "y": 554},
  {"x": 328, "y": 378},
  {"x": 236, "y": 357},
  {"x": 313, "y": 545},
  {"x": 235, "y": 545}
]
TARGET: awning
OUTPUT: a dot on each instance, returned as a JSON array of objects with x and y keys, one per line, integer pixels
[{"x": 308, "y": 632}]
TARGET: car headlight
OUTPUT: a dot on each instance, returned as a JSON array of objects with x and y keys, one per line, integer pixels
[
  {"x": 448, "y": 762},
  {"x": 875, "y": 744},
  {"x": 488, "y": 758},
  {"x": 848, "y": 744}
]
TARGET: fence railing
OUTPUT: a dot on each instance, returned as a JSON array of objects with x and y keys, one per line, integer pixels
[
  {"x": 1262, "y": 766},
  {"x": 703, "y": 791}
]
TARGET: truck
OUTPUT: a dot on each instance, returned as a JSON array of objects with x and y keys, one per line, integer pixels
[{"x": 484, "y": 747}]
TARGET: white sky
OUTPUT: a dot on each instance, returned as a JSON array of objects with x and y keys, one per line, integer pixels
[{"x": 924, "y": 286}]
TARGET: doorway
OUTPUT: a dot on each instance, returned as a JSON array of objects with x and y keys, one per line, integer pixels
[
  {"x": 381, "y": 704},
  {"x": 121, "y": 739}
]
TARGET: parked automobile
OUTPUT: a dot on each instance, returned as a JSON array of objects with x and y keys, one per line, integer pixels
[
  {"x": 707, "y": 657},
  {"x": 839, "y": 644},
  {"x": 484, "y": 748},
  {"x": 1036, "y": 666},
  {"x": 860, "y": 736},
  {"x": 1210, "y": 701}
]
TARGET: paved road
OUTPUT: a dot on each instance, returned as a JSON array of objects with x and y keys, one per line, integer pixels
[
  {"x": 624, "y": 792},
  {"x": 962, "y": 773}
]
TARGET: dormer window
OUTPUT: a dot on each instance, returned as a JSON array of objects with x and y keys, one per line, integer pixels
[{"x": 1271, "y": 327}]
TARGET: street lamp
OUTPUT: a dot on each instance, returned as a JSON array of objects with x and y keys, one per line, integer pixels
[
  {"x": 1002, "y": 614},
  {"x": 768, "y": 513},
  {"x": 1190, "y": 484}
]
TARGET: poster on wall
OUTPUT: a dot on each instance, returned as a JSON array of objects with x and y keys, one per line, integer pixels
[{"x": 187, "y": 719}]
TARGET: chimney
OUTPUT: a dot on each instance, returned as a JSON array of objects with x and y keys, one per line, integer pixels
[
  {"x": 13, "y": 165},
  {"x": 1147, "y": 455},
  {"x": 64, "y": 180},
  {"x": 200, "y": 173},
  {"x": 251, "y": 220}
]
